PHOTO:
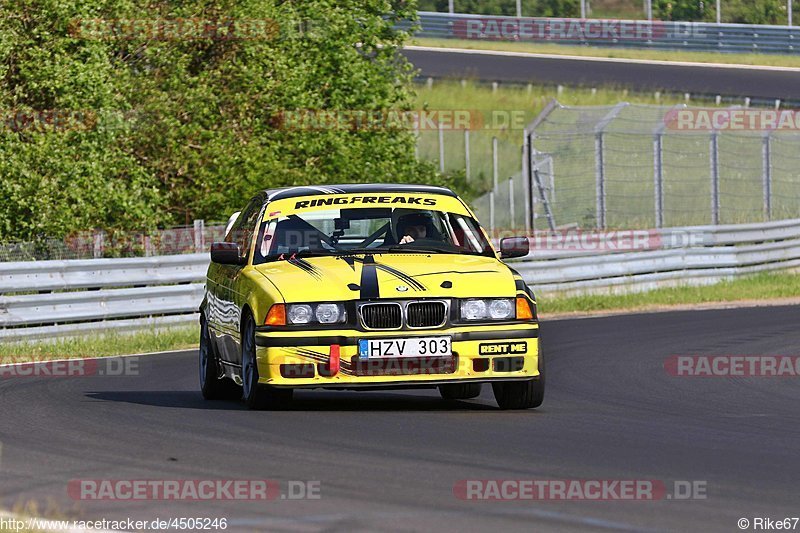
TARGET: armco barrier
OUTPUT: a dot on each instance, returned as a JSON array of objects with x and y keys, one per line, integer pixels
[
  {"x": 42, "y": 299},
  {"x": 694, "y": 255},
  {"x": 663, "y": 35},
  {"x": 59, "y": 298}
]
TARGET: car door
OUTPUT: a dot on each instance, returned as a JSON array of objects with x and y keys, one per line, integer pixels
[{"x": 228, "y": 297}]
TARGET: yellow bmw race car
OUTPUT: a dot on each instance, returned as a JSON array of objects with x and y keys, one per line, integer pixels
[{"x": 366, "y": 287}]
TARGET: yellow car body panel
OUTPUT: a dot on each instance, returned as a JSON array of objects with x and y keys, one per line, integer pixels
[{"x": 481, "y": 352}]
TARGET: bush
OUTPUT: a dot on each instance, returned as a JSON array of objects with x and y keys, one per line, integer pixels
[
  {"x": 530, "y": 8},
  {"x": 187, "y": 128},
  {"x": 733, "y": 11}
]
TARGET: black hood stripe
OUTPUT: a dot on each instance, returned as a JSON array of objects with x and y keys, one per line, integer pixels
[
  {"x": 399, "y": 274},
  {"x": 369, "y": 279},
  {"x": 416, "y": 285},
  {"x": 307, "y": 267}
]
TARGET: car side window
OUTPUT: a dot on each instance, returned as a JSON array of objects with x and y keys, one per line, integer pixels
[{"x": 242, "y": 230}]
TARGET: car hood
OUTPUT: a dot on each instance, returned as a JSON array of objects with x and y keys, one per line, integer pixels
[{"x": 389, "y": 276}]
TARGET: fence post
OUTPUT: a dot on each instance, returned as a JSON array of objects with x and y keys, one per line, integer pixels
[
  {"x": 495, "y": 170},
  {"x": 466, "y": 153},
  {"x": 714, "y": 157},
  {"x": 511, "y": 214},
  {"x": 416, "y": 138},
  {"x": 527, "y": 190},
  {"x": 519, "y": 8},
  {"x": 658, "y": 179},
  {"x": 766, "y": 173},
  {"x": 441, "y": 146},
  {"x": 450, "y": 7},
  {"x": 600, "y": 180},
  {"x": 599, "y": 163},
  {"x": 99, "y": 244},
  {"x": 491, "y": 213},
  {"x": 199, "y": 236}
]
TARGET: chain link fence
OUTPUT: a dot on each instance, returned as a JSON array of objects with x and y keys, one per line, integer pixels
[{"x": 643, "y": 166}]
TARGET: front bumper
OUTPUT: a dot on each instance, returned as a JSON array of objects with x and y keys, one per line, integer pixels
[{"x": 300, "y": 359}]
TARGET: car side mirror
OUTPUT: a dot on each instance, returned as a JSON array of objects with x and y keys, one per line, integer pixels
[
  {"x": 514, "y": 247},
  {"x": 227, "y": 253}
]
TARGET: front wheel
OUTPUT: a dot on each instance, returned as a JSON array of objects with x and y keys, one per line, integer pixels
[
  {"x": 521, "y": 394},
  {"x": 255, "y": 395}
]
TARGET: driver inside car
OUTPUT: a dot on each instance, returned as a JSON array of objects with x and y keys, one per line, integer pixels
[{"x": 415, "y": 226}]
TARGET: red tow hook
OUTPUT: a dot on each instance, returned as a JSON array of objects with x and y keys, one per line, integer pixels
[{"x": 332, "y": 367}]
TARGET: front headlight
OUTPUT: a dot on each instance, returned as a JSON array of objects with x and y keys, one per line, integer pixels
[
  {"x": 473, "y": 309},
  {"x": 300, "y": 314},
  {"x": 487, "y": 309},
  {"x": 501, "y": 309},
  {"x": 328, "y": 313},
  {"x": 322, "y": 313}
]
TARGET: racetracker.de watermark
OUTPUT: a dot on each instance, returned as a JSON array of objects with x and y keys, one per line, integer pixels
[
  {"x": 554, "y": 29},
  {"x": 707, "y": 119},
  {"x": 176, "y": 29},
  {"x": 724, "y": 366},
  {"x": 30, "y": 367},
  {"x": 594, "y": 241},
  {"x": 47, "y": 120},
  {"x": 398, "y": 119},
  {"x": 192, "y": 489},
  {"x": 579, "y": 489}
]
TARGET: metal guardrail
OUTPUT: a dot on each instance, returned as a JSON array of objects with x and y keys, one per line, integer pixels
[
  {"x": 41, "y": 299},
  {"x": 48, "y": 299},
  {"x": 695, "y": 255},
  {"x": 101, "y": 273},
  {"x": 664, "y": 35}
]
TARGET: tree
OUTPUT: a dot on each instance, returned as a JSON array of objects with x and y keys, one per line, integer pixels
[{"x": 186, "y": 106}]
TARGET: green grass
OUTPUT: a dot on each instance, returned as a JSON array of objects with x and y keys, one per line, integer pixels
[
  {"x": 102, "y": 345},
  {"x": 758, "y": 287},
  {"x": 627, "y": 53}
]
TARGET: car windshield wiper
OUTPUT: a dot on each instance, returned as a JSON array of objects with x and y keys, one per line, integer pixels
[
  {"x": 359, "y": 251},
  {"x": 302, "y": 253},
  {"x": 424, "y": 248}
]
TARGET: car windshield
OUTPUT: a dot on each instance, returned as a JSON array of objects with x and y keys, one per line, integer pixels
[{"x": 370, "y": 230}]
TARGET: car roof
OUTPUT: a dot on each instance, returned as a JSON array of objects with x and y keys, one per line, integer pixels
[{"x": 355, "y": 188}]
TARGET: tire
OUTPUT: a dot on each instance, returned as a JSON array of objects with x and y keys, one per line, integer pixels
[
  {"x": 212, "y": 385},
  {"x": 255, "y": 395},
  {"x": 460, "y": 391},
  {"x": 521, "y": 394}
]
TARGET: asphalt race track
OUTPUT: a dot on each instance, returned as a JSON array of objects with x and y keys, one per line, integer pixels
[
  {"x": 390, "y": 460},
  {"x": 757, "y": 83}
]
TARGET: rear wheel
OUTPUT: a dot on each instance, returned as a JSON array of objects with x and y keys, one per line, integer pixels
[
  {"x": 521, "y": 394},
  {"x": 255, "y": 395},
  {"x": 460, "y": 391}
]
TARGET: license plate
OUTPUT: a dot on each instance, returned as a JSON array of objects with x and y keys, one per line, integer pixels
[{"x": 407, "y": 347}]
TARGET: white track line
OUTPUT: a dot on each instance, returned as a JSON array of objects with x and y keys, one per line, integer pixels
[{"x": 660, "y": 62}]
